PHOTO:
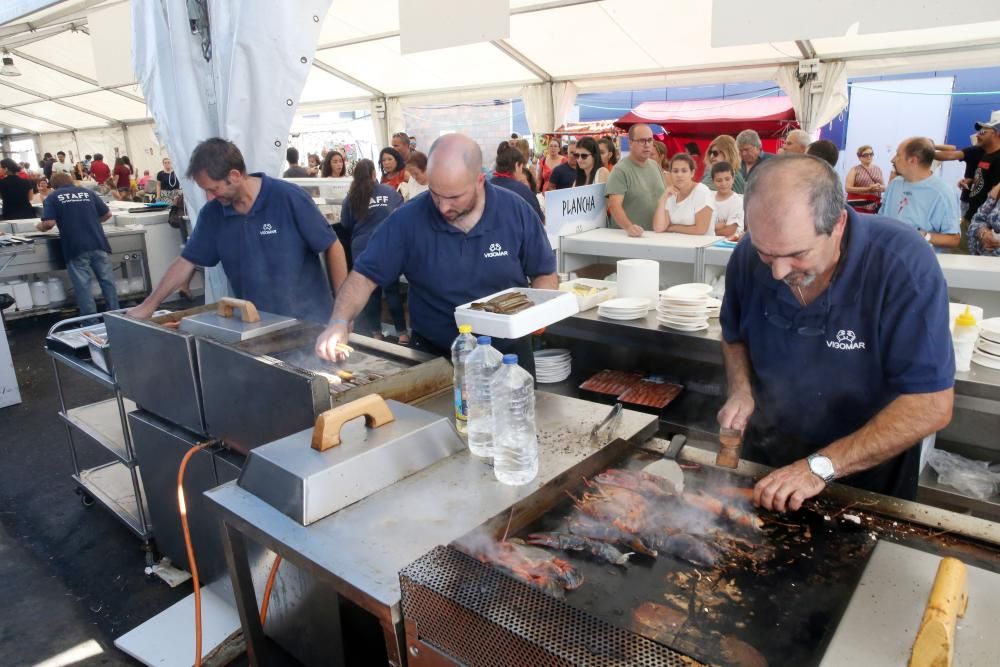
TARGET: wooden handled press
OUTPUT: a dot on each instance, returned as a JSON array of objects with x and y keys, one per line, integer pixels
[
  {"x": 326, "y": 433},
  {"x": 935, "y": 642},
  {"x": 248, "y": 311}
]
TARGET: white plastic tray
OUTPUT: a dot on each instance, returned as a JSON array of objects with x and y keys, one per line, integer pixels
[
  {"x": 550, "y": 307},
  {"x": 608, "y": 290}
]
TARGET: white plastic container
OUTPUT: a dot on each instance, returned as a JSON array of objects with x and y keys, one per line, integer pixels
[
  {"x": 39, "y": 293},
  {"x": 551, "y": 306},
  {"x": 963, "y": 338},
  {"x": 480, "y": 367},
  {"x": 515, "y": 447},
  {"x": 639, "y": 278},
  {"x": 57, "y": 291},
  {"x": 461, "y": 348},
  {"x": 22, "y": 294},
  {"x": 605, "y": 290}
]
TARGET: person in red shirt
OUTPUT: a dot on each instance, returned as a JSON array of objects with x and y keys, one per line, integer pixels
[
  {"x": 393, "y": 167},
  {"x": 123, "y": 177},
  {"x": 99, "y": 169}
]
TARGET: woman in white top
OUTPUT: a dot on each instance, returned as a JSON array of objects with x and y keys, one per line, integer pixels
[
  {"x": 687, "y": 208},
  {"x": 416, "y": 167}
]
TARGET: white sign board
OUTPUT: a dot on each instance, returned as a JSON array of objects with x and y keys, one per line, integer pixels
[
  {"x": 575, "y": 210},
  {"x": 111, "y": 40},
  {"x": 9, "y": 394},
  {"x": 438, "y": 24}
]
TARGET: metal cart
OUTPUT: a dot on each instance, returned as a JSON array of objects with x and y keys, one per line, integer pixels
[{"x": 115, "y": 484}]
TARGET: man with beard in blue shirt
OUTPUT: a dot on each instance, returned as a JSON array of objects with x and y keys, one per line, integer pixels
[
  {"x": 466, "y": 240},
  {"x": 267, "y": 233},
  {"x": 835, "y": 339}
]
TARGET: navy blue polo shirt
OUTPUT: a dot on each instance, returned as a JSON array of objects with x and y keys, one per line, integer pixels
[
  {"x": 447, "y": 267},
  {"x": 384, "y": 200},
  {"x": 885, "y": 333},
  {"x": 78, "y": 214},
  {"x": 563, "y": 176},
  {"x": 271, "y": 254}
]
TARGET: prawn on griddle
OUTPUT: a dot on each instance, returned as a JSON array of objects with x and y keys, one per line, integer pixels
[{"x": 595, "y": 548}]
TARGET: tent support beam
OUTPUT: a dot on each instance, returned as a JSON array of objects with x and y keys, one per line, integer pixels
[
  {"x": 75, "y": 75},
  {"x": 319, "y": 64},
  {"x": 44, "y": 120},
  {"x": 19, "y": 41},
  {"x": 555, "y": 4},
  {"x": 806, "y": 48},
  {"x": 72, "y": 13},
  {"x": 57, "y": 100},
  {"x": 522, "y": 60}
]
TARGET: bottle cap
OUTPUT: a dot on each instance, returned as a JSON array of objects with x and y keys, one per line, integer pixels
[
  {"x": 510, "y": 359},
  {"x": 484, "y": 340},
  {"x": 464, "y": 328},
  {"x": 966, "y": 319}
]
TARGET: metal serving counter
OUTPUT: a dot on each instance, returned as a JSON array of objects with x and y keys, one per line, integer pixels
[
  {"x": 362, "y": 548},
  {"x": 128, "y": 257},
  {"x": 695, "y": 359}
]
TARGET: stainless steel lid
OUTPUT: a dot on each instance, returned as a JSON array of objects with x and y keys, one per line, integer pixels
[
  {"x": 221, "y": 325},
  {"x": 313, "y": 473}
]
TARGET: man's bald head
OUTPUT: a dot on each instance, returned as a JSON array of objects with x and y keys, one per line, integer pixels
[
  {"x": 454, "y": 153},
  {"x": 639, "y": 129},
  {"x": 792, "y": 179}
]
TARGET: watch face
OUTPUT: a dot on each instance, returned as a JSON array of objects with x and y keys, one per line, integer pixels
[{"x": 822, "y": 466}]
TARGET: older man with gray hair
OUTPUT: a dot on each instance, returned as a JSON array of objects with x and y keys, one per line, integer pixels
[
  {"x": 835, "y": 339},
  {"x": 467, "y": 240},
  {"x": 796, "y": 141},
  {"x": 751, "y": 151}
]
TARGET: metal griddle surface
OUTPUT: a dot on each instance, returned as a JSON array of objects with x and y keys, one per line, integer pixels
[
  {"x": 365, "y": 366},
  {"x": 786, "y": 608}
]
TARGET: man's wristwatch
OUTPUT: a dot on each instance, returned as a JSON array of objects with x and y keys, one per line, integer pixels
[{"x": 822, "y": 467}]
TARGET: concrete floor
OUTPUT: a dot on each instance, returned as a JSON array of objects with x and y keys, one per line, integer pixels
[{"x": 70, "y": 576}]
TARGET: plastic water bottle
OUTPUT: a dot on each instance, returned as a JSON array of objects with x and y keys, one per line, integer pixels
[
  {"x": 964, "y": 339},
  {"x": 460, "y": 351},
  {"x": 480, "y": 368},
  {"x": 515, "y": 452}
]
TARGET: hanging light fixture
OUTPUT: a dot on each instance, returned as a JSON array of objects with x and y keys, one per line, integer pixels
[{"x": 9, "y": 68}]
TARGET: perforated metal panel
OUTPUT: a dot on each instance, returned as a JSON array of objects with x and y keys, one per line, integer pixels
[{"x": 479, "y": 616}]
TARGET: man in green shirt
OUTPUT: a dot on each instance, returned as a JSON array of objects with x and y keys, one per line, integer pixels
[{"x": 636, "y": 184}]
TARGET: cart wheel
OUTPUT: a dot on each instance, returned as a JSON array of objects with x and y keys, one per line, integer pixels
[{"x": 85, "y": 498}]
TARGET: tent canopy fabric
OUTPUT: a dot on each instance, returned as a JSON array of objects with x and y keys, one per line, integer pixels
[
  {"x": 769, "y": 116},
  {"x": 358, "y": 57}
]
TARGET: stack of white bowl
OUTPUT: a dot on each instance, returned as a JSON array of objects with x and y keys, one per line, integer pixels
[
  {"x": 553, "y": 365},
  {"x": 628, "y": 308},
  {"x": 987, "y": 352},
  {"x": 686, "y": 307}
]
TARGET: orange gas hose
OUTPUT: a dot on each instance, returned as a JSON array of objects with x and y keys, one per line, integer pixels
[
  {"x": 182, "y": 506},
  {"x": 267, "y": 589}
]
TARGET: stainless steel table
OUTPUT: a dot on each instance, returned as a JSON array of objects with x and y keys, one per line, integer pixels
[{"x": 361, "y": 549}]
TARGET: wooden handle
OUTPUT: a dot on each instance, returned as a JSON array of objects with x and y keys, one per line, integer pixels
[
  {"x": 326, "y": 433},
  {"x": 249, "y": 311},
  {"x": 935, "y": 642},
  {"x": 730, "y": 446}
]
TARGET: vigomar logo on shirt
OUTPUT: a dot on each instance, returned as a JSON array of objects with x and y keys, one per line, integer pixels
[
  {"x": 266, "y": 229},
  {"x": 496, "y": 250},
  {"x": 846, "y": 340}
]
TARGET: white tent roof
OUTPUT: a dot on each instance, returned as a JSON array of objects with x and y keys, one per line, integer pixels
[{"x": 597, "y": 44}]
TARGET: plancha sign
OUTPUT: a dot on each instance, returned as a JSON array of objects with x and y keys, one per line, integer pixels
[{"x": 574, "y": 210}]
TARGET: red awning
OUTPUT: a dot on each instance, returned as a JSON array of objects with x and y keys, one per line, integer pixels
[
  {"x": 769, "y": 116},
  {"x": 593, "y": 128}
]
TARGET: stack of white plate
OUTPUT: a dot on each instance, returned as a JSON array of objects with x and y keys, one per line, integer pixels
[
  {"x": 630, "y": 308},
  {"x": 987, "y": 352},
  {"x": 686, "y": 307},
  {"x": 552, "y": 365}
]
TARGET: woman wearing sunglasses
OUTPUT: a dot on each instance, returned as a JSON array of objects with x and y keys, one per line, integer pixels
[
  {"x": 723, "y": 149},
  {"x": 865, "y": 182},
  {"x": 588, "y": 163}
]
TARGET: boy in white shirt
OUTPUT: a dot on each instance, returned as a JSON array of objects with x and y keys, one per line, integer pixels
[{"x": 727, "y": 206}]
